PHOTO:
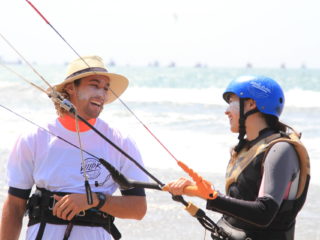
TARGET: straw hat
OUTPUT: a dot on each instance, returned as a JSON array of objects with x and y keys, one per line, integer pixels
[{"x": 93, "y": 65}]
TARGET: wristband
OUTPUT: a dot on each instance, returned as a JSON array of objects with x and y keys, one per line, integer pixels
[{"x": 102, "y": 199}]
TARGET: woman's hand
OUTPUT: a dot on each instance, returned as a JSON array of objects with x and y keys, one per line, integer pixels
[
  {"x": 183, "y": 186},
  {"x": 176, "y": 187}
]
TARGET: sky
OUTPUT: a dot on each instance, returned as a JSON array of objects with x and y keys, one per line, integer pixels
[{"x": 228, "y": 33}]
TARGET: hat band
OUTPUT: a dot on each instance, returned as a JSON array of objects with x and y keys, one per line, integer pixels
[{"x": 91, "y": 69}]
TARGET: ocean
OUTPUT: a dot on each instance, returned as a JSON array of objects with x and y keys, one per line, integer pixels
[{"x": 183, "y": 107}]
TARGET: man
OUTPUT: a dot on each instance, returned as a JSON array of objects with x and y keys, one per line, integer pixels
[{"x": 59, "y": 209}]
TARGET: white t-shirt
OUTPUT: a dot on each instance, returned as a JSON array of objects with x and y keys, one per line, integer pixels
[{"x": 46, "y": 161}]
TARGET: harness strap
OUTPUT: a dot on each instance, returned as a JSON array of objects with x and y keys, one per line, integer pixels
[
  {"x": 40, "y": 206},
  {"x": 68, "y": 231},
  {"x": 41, "y": 230},
  {"x": 114, "y": 231}
]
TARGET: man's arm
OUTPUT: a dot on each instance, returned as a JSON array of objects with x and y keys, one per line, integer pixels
[
  {"x": 12, "y": 215},
  {"x": 132, "y": 207},
  {"x": 129, "y": 207}
]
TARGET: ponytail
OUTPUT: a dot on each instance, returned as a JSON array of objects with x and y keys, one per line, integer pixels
[{"x": 274, "y": 123}]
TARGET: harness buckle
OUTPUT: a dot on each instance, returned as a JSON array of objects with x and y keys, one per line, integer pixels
[
  {"x": 54, "y": 201},
  {"x": 81, "y": 214}
]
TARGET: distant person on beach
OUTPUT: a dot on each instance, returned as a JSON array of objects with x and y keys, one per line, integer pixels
[
  {"x": 59, "y": 209},
  {"x": 268, "y": 174}
]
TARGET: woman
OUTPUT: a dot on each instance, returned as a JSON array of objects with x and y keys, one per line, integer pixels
[{"x": 268, "y": 175}]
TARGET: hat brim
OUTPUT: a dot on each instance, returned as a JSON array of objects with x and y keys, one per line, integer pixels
[{"x": 118, "y": 84}]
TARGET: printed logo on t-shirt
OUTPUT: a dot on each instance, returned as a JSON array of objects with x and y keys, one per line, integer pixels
[
  {"x": 93, "y": 168},
  {"x": 95, "y": 171}
]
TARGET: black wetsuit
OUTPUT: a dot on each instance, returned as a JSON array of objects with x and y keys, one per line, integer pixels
[{"x": 255, "y": 201}]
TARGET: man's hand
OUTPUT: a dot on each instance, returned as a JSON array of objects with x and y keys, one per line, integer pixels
[{"x": 70, "y": 205}]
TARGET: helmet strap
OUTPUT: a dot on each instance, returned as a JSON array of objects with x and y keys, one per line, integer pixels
[
  {"x": 242, "y": 119},
  {"x": 242, "y": 126},
  {"x": 251, "y": 112}
]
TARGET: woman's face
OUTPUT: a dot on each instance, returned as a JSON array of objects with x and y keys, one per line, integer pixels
[{"x": 233, "y": 113}]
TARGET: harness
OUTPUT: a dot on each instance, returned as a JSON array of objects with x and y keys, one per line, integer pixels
[
  {"x": 39, "y": 210},
  {"x": 240, "y": 161}
]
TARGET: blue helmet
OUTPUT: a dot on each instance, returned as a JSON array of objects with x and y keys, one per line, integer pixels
[{"x": 265, "y": 91}]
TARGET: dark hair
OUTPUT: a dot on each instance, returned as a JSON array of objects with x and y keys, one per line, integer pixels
[{"x": 274, "y": 123}]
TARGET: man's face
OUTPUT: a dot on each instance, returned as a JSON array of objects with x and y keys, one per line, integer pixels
[{"x": 90, "y": 95}]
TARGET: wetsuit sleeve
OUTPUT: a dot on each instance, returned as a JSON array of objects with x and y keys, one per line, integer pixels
[
  {"x": 259, "y": 212},
  {"x": 281, "y": 169},
  {"x": 278, "y": 167}
]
